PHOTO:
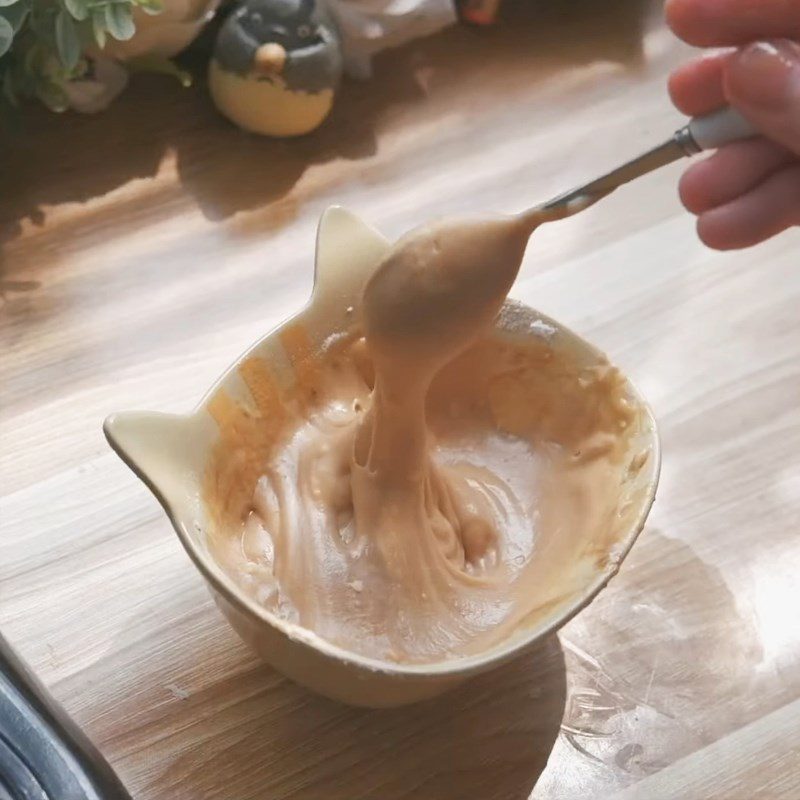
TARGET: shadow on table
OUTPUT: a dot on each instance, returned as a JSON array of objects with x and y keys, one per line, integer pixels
[
  {"x": 72, "y": 157},
  {"x": 488, "y": 738}
]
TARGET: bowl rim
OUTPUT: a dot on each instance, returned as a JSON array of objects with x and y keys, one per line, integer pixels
[{"x": 448, "y": 667}]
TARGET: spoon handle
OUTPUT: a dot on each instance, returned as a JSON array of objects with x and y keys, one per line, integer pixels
[{"x": 715, "y": 130}]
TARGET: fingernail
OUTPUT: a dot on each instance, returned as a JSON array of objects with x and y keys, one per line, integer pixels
[{"x": 765, "y": 74}]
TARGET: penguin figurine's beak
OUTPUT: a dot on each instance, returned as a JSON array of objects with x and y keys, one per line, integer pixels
[{"x": 270, "y": 59}]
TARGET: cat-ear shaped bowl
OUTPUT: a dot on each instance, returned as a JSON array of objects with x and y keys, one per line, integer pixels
[{"x": 170, "y": 454}]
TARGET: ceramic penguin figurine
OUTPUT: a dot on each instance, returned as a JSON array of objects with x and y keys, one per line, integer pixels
[{"x": 276, "y": 66}]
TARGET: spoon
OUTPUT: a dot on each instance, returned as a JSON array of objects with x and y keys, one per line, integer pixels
[
  {"x": 432, "y": 293},
  {"x": 702, "y": 133}
]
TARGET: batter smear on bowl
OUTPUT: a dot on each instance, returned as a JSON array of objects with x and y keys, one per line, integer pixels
[{"x": 410, "y": 492}]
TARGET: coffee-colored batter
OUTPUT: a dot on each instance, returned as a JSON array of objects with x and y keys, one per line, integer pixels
[{"x": 402, "y": 497}]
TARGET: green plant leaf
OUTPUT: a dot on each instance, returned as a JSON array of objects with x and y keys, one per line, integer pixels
[
  {"x": 30, "y": 60},
  {"x": 150, "y": 6},
  {"x": 8, "y": 88},
  {"x": 42, "y": 23},
  {"x": 16, "y": 14},
  {"x": 6, "y": 35},
  {"x": 8, "y": 2},
  {"x": 85, "y": 34},
  {"x": 53, "y": 96},
  {"x": 119, "y": 21},
  {"x": 78, "y": 8},
  {"x": 69, "y": 47},
  {"x": 99, "y": 27}
]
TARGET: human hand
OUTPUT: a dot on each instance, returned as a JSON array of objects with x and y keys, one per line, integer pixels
[{"x": 748, "y": 191}]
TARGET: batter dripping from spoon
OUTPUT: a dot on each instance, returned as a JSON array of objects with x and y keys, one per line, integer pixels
[{"x": 396, "y": 541}]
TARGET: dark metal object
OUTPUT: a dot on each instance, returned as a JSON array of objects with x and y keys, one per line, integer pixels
[{"x": 43, "y": 754}]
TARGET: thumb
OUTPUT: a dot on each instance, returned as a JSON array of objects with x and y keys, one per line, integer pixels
[{"x": 762, "y": 81}]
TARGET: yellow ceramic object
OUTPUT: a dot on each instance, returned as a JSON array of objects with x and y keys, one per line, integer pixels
[
  {"x": 170, "y": 453},
  {"x": 267, "y": 107}
]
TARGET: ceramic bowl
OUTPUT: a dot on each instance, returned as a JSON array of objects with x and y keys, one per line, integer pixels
[{"x": 169, "y": 453}]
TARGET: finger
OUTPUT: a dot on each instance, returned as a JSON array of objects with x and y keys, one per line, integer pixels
[
  {"x": 763, "y": 82},
  {"x": 696, "y": 87},
  {"x": 726, "y": 23},
  {"x": 732, "y": 171},
  {"x": 772, "y": 207}
]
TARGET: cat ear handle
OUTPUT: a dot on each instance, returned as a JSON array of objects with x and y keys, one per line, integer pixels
[
  {"x": 166, "y": 451},
  {"x": 348, "y": 252}
]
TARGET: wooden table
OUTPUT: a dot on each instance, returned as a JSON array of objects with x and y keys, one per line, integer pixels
[{"x": 146, "y": 247}]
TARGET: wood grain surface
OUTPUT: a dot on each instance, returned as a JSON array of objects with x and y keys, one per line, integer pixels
[{"x": 146, "y": 247}]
